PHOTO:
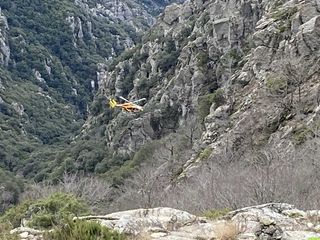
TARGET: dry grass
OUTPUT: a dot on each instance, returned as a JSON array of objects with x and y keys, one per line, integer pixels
[
  {"x": 140, "y": 236},
  {"x": 313, "y": 217},
  {"x": 226, "y": 230},
  {"x": 5, "y": 232}
]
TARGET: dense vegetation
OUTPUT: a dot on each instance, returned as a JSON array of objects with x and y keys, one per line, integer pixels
[
  {"x": 83, "y": 230},
  {"x": 45, "y": 213},
  {"x": 55, "y": 211},
  {"x": 41, "y": 35},
  {"x": 54, "y": 51},
  {"x": 10, "y": 188},
  {"x": 47, "y": 87}
]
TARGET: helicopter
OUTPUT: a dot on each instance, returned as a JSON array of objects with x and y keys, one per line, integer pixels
[{"x": 128, "y": 106}]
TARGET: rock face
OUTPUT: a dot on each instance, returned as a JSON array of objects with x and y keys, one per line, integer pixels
[
  {"x": 4, "y": 45},
  {"x": 236, "y": 48},
  {"x": 130, "y": 12},
  {"x": 26, "y": 233},
  {"x": 137, "y": 17},
  {"x": 191, "y": 37},
  {"x": 269, "y": 221}
]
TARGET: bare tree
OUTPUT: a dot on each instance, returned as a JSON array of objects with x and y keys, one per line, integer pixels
[
  {"x": 296, "y": 71},
  {"x": 291, "y": 73},
  {"x": 145, "y": 189},
  {"x": 93, "y": 190},
  {"x": 278, "y": 173}
]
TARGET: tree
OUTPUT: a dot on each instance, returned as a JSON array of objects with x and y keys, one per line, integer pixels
[
  {"x": 93, "y": 190},
  {"x": 291, "y": 73},
  {"x": 145, "y": 189}
]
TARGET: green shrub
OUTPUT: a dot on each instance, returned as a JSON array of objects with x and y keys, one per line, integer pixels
[
  {"x": 83, "y": 230},
  {"x": 117, "y": 174},
  {"x": 145, "y": 153},
  {"x": 14, "y": 215},
  {"x": 205, "y": 102},
  {"x": 216, "y": 213},
  {"x": 45, "y": 213},
  {"x": 203, "y": 59},
  {"x": 55, "y": 209},
  {"x": 10, "y": 186},
  {"x": 168, "y": 60},
  {"x": 301, "y": 133},
  {"x": 235, "y": 55},
  {"x": 276, "y": 85},
  {"x": 205, "y": 154},
  {"x": 284, "y": 14},
  {"x": 314, "y": 238}
]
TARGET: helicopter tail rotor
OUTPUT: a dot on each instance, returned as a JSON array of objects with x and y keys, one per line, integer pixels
[{"x": 112, "y": 103}]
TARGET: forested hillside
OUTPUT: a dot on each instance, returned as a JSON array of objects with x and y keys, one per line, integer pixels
[{"x": 51, "y": 54}]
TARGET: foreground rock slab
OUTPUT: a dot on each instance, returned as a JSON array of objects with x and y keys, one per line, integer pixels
[{"x": 262, "y": 222}]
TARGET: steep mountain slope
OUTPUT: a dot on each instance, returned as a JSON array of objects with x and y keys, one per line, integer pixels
[
  {"x": 187, "y": 54},
  {"x": 232, "y": 84},
  {"x": 50, "y": 56}
]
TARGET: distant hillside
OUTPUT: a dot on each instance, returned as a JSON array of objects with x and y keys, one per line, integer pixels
[{"x": 51, "y": 53}]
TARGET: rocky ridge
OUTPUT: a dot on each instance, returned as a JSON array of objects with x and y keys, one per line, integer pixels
[
  {"x": 128, "y": 11},
  {"x": 269, "y": 221},
  {"x": 235, "y": 49},
  {"x": 139, "y": 15}
]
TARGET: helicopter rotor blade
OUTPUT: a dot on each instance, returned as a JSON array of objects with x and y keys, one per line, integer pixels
[
  {"x": 142, "y": 99},
  {"x": 123, "y": 99}
]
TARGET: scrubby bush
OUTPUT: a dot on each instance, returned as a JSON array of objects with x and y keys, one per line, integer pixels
[
  {"x": 53, "y": 210},
  {"x": 168, "y": 60},
  {"x": 83, "y": 230},
  {"x": 205, "y": 102},
  {"x": 226, "y": 231},
  {"x": 203, "y": 59},
  {"x": 10, "y": 187},
  {"x": 301, "y": 134},
  {"x": 216, "y": 213},
  {"x": 45, "y": 213},
  {"x": 284, "y": 14},
  {"x": 276, "y": 85},
  {"x": 14, "y": 215},
  {"x": 205, "y": 154}
]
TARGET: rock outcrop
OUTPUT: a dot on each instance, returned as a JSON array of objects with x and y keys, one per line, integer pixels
[
  {"x": 4, "y": 45},
  {"x": 263, "y": 222},
  {"x": 139, "y": 15},
  {"x": 26, "y": 233}
]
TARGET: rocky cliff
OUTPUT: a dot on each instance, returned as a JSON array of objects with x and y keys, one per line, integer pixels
[{"x": 233, "y": 84}]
